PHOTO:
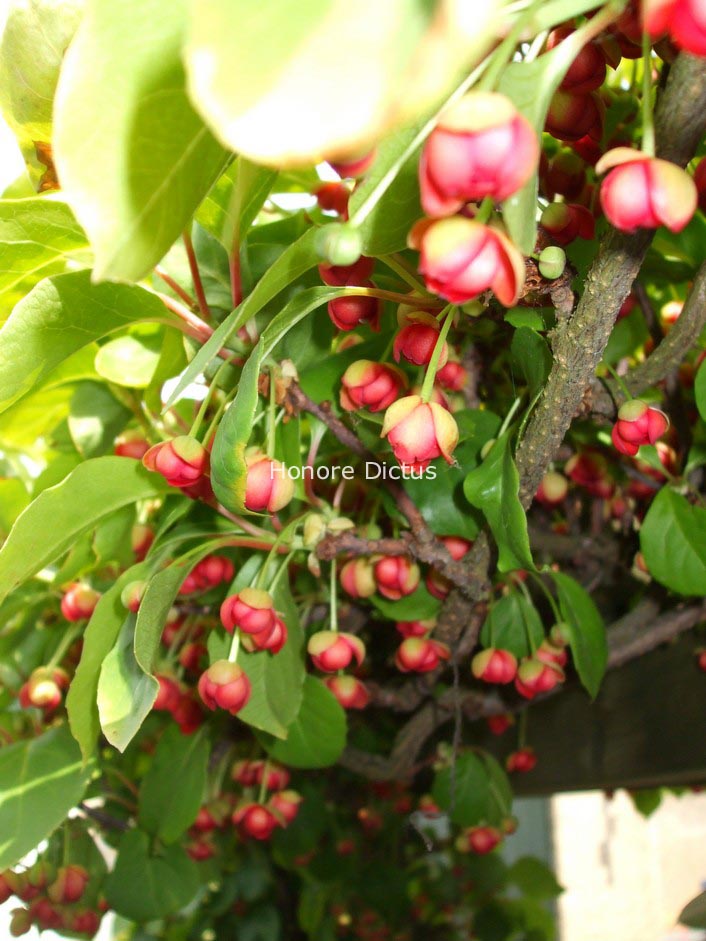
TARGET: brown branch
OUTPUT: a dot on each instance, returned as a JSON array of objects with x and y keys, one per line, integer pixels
[
  {"x": 104, "y": 819},
  {"x": 578, "y": 343}
]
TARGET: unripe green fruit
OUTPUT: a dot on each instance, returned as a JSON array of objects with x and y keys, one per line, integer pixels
[
  {"x": 552, "y": 262},
  {"x": 339, "y": 244}
]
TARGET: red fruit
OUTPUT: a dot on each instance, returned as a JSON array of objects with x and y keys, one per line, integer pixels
[
  {"x": 268, "y": 486},
  {"x": 645, "y": 192},
  {"x": 437, "y": 584},
  {"x": 395, "y": 576},
  {"x": 479, "y": 840},
  {"x": 461, "y": 259},
  {"x": 200, "y": 850},
  {"x": 701, "y": 660},
  {"x": 553, "y": 654},
  {"x": 417, "y": 339},
  {"x": 208, "y": 573},
  {"x": 416, "y": 628},
  {"x": 500, "y": 723},
  {"x": 131, "y": 444},
  {"x": 684, "y": 20},
  {"x": 182, "y": 462},
  {"x": 255, "y": 820},
  {"x": 521, "y": 761},
  {"x": 251, "y": 610},
  {"x": 590, "y": 470},
  {"x": 349, "y": 691},
  {"x": 44, "y": 688},
  {"x": 69, "y": 885},
  {"x": 348, "y": 312},
  {"x": 565, "y": 174},
  {"x": 494, "y": 666},
  {"x": 482, "y": 146},
  {"x": 419, "y": 432},
  {"x": 370, "y": 385},
  {"x": 637, "y": 424},
  {"x": 5, "y": 889},
  {"x": 79, "y": 602},
  {"x": 572, "y": 117},
  {"x": 358, "y": 273},
  {"x": 191, "y": 656},
  {"x": 353, "y": 165},
  {"x": 333, "y": 197},
  {"x": 45, "y": 916},
  {"x": 566, "y": 222},
  {"x": 285, "y": 804},
  {"x": 131, "y": 595},
  {"x": 534, "y": 677},
  {"x": 700, "y": 181},
  {"x": 245, "y": 772},
  {"x": 168, "y": 695},
  {"x": 552, "y": 489},
  {"x": 420, "y": 654},
  {"x": 334, "y": 650},
  {"x": 588, "y": 70},
  {"x": 86, "y": 922},
  {"x": 20, "y": 922},
  {"x": 452, "y": 376},
  {"x": 272, "y": 640},
  {"x": 141, "y": 538},
  {"x": 224, "y": 685},
  {"x": 357, "y": 578},
  {"x": 188, "y": 714}
]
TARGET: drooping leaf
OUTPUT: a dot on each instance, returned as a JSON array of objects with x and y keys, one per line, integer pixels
[
  {"x": 475, "y": 792},
  {"x": 420, "y": 604},
  {"x": 235, "y": 200},
  {"x": 134, "y": 158},
  {"x": 531, "y": 357},
  {"x": 60, "y": 316},
  {"x": 493, "y": 487},
  {"x": 59, "y": 515},
  {"x": 129, "y": 360},
  {"x": 673, "y": 543},
  {"x": 126, "y": 693},
  {"x": 41, "y": 779},
  {"x": 34, "y": 40},
  {"x": 700, "y": 390},
  {"x": 693, "y": 915},
  {"x": 317, "y": 736},
  {"x": 513, "y": 624},
  {"x": 534, "y": 878},
  {"x": 166, "y": 810},
  {"x": 587, "y": 635},
  {"x": 144, "y": 885},
  {"x": 99, "y": 638}
]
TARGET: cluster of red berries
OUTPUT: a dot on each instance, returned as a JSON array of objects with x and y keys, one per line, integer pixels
[{"x": 51, "y": 896}]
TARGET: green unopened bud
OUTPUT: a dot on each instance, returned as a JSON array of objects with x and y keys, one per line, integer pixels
[
  {"x": 314, "y": 527},
  {"x": 552, "y": 262},
  {"x": 339, "y": 244},
  {"x": 473, "y": 308},
  {"x": 340, "y": 524}
]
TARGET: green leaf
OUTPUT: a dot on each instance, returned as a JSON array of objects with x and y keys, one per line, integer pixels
[
  {"x": 493, "y": 488},
  {"x": 41, "y": 780},
  {"x": 673, "y": 544},
  {"x": 393, "y": 180},
  {"x": 513, "y": 624},
  {"x": 589, "y": 648},
  {"x": 126, "y": 693},
  {"x": 646, "y": 800},
  {"x": 531, "y": 85},
  {"x": 95, "y": 419},
  {"x": 694, "y": 914},
  {"x": 60, "y": 316},
  {"x": 173, "y": 789},
  {"x": 98, "y": 639},
  {"x": 277, "y": 681},
  {"x": 628, "y": 334},
  {"x": 34, "y": 40},
  {"x": 61, "y": 514},
  {"x": 700, "y": 390},
  {"x": 476, "y": 792},
  {"x": 235, "y": 200},
  {"x": 130, "y": 360},
  {"x": 317, "y": 736},
  {"x": 134, "y": 158},
  {"x": 144, "y": 886},
  {"x": 37, "y": 236},
  {"x": 420, "y": 604},
  {"x": 531, "y": 357},
  {"x": 13, "y": 500},
  {"x": 295, "y": 260},
  {"x": 534, "y": 878}
]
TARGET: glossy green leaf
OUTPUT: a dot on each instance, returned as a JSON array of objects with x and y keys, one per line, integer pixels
[
  {"x": 317, "y": 736},
  {"x": 99, "y": 638},
  {"x": 33, "y": 43},
  {"x": 134, "y": 158},
  {"x": 13, "y": 500},
  {"x": 59, "y": 515},
  {"x": 147, "y": 885},
  {"x": 420, "y": 604},
  {"x": 129, "y": 360},
  {"x": 475, "y": 792},
  {"x": 587, "y": 635},
  {"x": 673, "y": 543},
  {"x": 295, "y": 260},
  {"x": 126, "y": 693},
  {"x": 513, "y": 624},
  {"x": 693, "y": 915},
  {"x": 700, "y": 390},
  {"x": 41, "y": 779},
  {"x": 95, "y": 419},
  {"x": 235, "y": 200},
  {"x": 534, "y": 878},
  {"x": 173, "y": 788},
  {"x": 60, "y": 316},
  {"x": 493, "y": 488},
  {"x": 531, "y": 358}
]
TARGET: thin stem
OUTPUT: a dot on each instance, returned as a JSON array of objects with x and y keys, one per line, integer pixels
[
  {"x": 398, "y": 264},
  {"x": 280, "y": 571},
  {"x": 196, "y": 275},
  {"x": 200, "y": 330},
  {"x": 271, "y": 413},
  {"x": 500, "y": 56},
  {"x": 236, "y": 289},
  {"x": 549, "y": 596},
  {"x": 422, "y": 303},
  {"x": 333, "y": 598},
  {"x": 262, "y": 793},
  {"x": 528, "y": 599},
  {"x": 621, "y": 383},
  {"x": 175, "y": 286},
  {"x": 508, "y": 418},
  {"x": 648, "y": 129},
  {"x": 69, "y": 637},
  {"x": 430, "y": 376},
  {"x": 485, "y": 210},
  {"x": 201, "y": 414},
  {"x": 234, "y": 647}
]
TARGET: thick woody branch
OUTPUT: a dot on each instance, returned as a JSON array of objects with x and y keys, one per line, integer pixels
[{"x": 578, "y": 343}]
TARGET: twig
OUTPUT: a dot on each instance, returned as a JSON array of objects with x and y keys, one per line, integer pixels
[{"x": 196, "y": 275}]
